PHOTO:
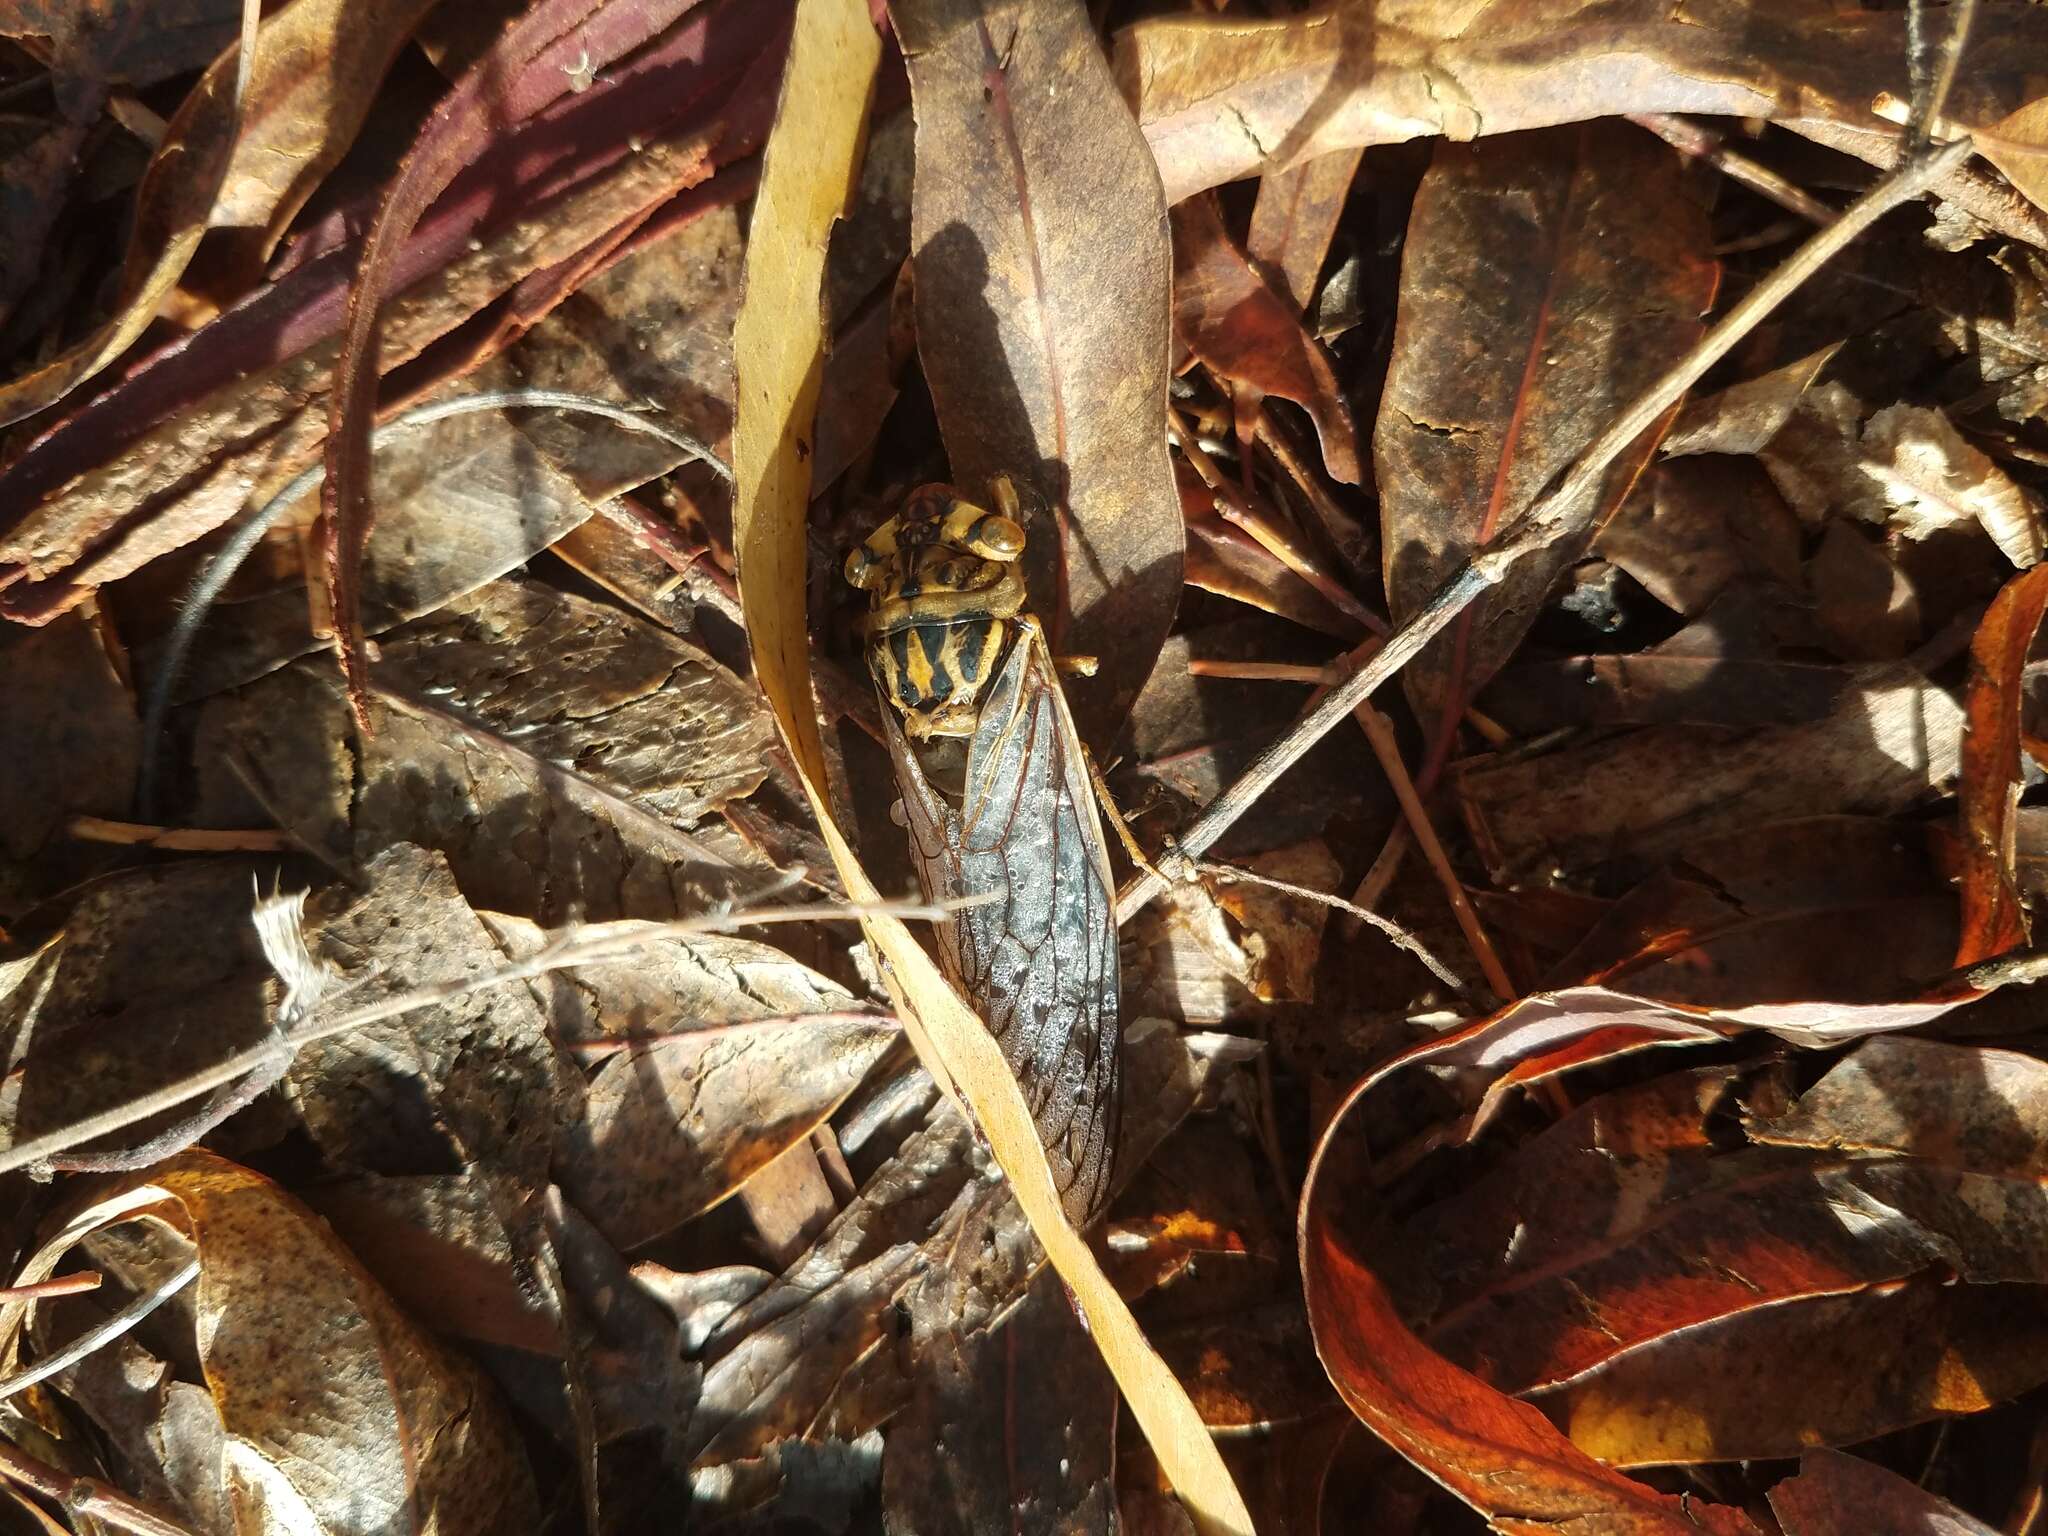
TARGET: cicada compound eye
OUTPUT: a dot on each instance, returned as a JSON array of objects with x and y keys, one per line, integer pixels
[
  {"x": 996, "y": 537},
  {"x": 863, "y": 569}
]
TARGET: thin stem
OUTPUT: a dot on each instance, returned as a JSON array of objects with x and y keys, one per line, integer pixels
[
  {"x": 105, "y": 1333},
  {"x": 1558, "y": 511},
  {"x": 1689, "y": 138},
  {"x": 85, "y": 1495},
  {"x": 1381, "y": 734},
  {"x": 1400, "y": 937}
]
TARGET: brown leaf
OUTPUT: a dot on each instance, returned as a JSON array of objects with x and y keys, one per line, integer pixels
[
  {"x": 1296, "y": 216},
  {"x": 671, "y": 1128},
  {"x": 1546, "y": 281},
  {"x": 1749, "y": 660},
  {"x": 471, "y": 498},
  {"x": 1745, "y": 417},
  {"x": 341, "y": 1417},
  {"x": 1837, "y": 1495},
  {"x": 240, "y": 404},
  {"x": 1693, "y": 527},
  {"x": 1222, "y": 98},
  {"x": 1891, "y": 739},
  {"x": 532, "y": 63},
  {"x": 1934, "y": 479},
  {"x": 1042, "y": 318},
  {"x": 796, "y": 1355},
  {"x": 228, "y": 163},
  {"x": 1992, "y": 778},
  {"x": 1015, "y": 1427},
  {"x": 473, "y": 1082},
  {"x": 1233, "y": 320},
  {"x": 564, "y": 755},
  {"x": 70, "y": 742},
  {"x": 1903, "y": 1146},
  {"x": 157, "y": 973},
  {"x": 1502, "y": 1457}
]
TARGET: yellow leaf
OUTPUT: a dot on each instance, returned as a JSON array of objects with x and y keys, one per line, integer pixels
[{"x": 778, "y": 353}]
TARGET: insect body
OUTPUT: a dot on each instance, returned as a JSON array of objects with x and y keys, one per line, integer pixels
[{"x": 961, "y": 667}]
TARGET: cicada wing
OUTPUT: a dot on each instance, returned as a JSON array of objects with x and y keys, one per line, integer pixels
[
  {"x": 1043, "y": 956},
  {"x": 1036, "y": 951}
]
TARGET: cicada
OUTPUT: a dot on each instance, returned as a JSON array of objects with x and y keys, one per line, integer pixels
[{"x": 999, "y": 803}]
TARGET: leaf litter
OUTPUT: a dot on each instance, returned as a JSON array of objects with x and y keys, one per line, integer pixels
[{"x": 458, "y": 1075}]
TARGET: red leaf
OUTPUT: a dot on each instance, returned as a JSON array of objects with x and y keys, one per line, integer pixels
[
  {"x": 1989, "y": 793},
  {"x": 1233, "y": 321}
]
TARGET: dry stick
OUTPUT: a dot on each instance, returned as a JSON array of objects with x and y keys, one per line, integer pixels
[
  {"x": 1703, "y": 144},
  {"x": 1557, "y": 511},
  {"x": 98, "y": 829},
  {"x": 105, "y": 1333},
  {"x": 565, "y": 953},
  {"x": 1396, "y": 935},
  {"x": 85, "y": 1495},
  {"x": 1232, "y": 507},
  {"x": 1381, "y": 734}
]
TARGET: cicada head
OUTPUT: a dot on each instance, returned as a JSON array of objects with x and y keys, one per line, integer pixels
[{"x": 944, "y": 589}]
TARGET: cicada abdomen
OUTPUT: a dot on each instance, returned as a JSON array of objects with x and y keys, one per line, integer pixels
[{"x": 998, "y": 802}]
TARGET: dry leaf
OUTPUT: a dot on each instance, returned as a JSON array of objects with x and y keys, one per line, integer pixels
[
  {"x": 1041, "y": 319},
  {"x": 1224, "y": 97},
  {"x": 1932, "y": 480},
  {"x": 1837, "y": 1495},
  {"x": 341, "y": 1417},
  {"x": 1545, "y": 282},
  {"x": 1993, "y": 774},
  {"x": 1296, "y": 217},
  {"x": 226, "y": 162},
  {"x": 1891, "y": 740},
  {"x": 1234, "y": 320}
]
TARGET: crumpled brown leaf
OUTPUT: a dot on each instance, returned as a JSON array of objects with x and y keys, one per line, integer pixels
[
  {"x": 228, "y": 163},
  {"x": 341, "y": 1418}
]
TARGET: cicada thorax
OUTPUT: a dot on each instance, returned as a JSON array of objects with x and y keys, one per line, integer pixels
[{"x": 997, "y": 799}]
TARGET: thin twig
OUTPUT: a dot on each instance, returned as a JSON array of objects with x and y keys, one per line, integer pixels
[
  {"x": 1398, "y": 936},
  {"x": 105, "y": 1333},
  {"x": 1232, "y": 507},
  {"x": 86, "y": 1495},
  {"x": 1690, "y": 138},
  {"x": 1381, "y": 734},
  {"x": 1558, "y": 511},
  {"x": 568, "y": 951},
  {"x": 78, "y": 1283},
  {"x": 249, "y": 530},
  {"x": 137, "y": 834},
  {"x": 1930, "y": 102}
]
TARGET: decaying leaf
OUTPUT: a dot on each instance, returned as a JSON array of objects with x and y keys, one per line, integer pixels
[
  {"x": 1546, "y": 281},
  {"x": 1890, "y": 741},
  {"x": 1236, "y": 322},
  {"x": 561, "y": 753},
  {"x": 339, "y": 1415},
  {"x": 1935, "y": 480},
  {"x": 1993, "y": 919},
  {"x": 1838, "y": 1495},
  {"x": 1223, "y": 97}
]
